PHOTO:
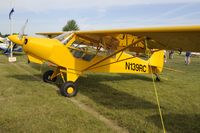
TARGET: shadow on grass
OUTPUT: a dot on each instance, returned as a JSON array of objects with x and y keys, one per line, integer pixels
[
  {"x": 109, "y": 96},
  {"x": 102, "y": 93},
  {"x": 101, "y": 77},
  {"x": 25, "y": 77},
  {"x": 178, "y": 123},
  {"x": 36, "y": 77},
  {"x": 18, "y": 54}
]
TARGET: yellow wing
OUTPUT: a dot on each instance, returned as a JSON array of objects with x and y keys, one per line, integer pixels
[{"x": 186, "y": 38}]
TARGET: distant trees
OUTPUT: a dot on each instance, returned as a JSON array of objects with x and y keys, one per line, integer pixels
[{"x": 71, "y": 26}]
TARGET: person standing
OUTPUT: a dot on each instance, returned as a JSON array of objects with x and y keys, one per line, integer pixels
[
  {"x": 187, "y": 57},
  {"x": 171, "y": 53}
]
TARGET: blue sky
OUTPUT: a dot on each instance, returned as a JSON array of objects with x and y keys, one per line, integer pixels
[{"x": 52, "y": 15}]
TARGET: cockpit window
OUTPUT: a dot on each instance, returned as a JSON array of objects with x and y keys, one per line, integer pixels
[{"x": 82, "y": 50}]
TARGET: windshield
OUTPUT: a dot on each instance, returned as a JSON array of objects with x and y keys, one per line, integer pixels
[
  {"x": 61, "y": 37},
  {"x": 64, "y": 37}
]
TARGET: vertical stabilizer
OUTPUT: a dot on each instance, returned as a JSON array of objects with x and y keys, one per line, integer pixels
[{"x": 157, "y": 60}]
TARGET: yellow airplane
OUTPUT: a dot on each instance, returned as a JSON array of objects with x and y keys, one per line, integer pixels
[{"x": 113, "y": 51}]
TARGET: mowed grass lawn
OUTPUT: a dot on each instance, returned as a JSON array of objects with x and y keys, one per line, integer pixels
[{"x": 29, "y": 105}]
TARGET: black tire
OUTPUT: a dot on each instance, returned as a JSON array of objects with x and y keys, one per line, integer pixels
[
  {"x": 158, "y": 79},
  {"x": 68, "y": 89},
  {"x": 47, "y": 75}
]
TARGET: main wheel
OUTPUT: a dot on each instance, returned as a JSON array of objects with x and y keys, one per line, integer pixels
[
  {"x": 47, "y": 76},
  {"x": 68, "y": 89}
]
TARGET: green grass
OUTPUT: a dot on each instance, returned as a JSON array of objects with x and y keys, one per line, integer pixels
[
  {"x": 130, "y": 99},
  {"x": 29, "y": 105}
]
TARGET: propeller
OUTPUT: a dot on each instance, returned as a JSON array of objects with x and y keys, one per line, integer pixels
[
  {"x": 21, "y": 33},
  {"x": 15, "y": 39}
]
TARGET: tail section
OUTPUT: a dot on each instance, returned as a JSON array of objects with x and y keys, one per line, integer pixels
[{"x": 157, "y": 61}]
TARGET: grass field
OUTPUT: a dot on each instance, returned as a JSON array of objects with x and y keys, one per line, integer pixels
[{"x": 127, "y": 101}]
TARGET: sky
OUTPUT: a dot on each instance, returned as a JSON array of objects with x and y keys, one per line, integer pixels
[{"x": 52, "y": 15}]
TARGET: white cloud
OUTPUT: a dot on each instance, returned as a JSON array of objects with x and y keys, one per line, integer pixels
[{"x": 44, "y": 5}]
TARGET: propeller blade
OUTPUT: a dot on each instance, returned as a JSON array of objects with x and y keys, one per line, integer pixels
[{"x": 21, "y": 33}]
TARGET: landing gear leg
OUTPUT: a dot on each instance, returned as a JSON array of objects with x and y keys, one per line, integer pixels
[
  {"x": 47, "y": 76},
  {"x": 69, "y": 89}
]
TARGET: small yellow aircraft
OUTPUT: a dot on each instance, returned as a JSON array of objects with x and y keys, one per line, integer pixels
[{"x": 113, "y": 51}]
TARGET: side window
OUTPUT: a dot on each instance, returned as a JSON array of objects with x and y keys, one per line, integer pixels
[{"x": 82, "y": 51}]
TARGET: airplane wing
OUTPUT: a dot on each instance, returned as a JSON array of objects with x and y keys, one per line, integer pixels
[{"x": 185, "y": 38}]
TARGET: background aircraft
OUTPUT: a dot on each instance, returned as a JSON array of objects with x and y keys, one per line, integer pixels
[
  {"x": 3, "y": 45},
  {"x": 6, "y": 48}
]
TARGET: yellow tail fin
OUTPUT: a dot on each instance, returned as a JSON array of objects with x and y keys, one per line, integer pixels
[{"x": 157, "y": 60}]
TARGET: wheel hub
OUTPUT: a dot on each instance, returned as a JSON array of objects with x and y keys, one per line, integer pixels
[{"x": 70, "y": 90}]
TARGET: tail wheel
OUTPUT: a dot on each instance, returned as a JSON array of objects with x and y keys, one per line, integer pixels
[
  {"x": 47, "y": 76},
  {"x": 157, "y": 77},
  {"x": 68, "y": 89}
]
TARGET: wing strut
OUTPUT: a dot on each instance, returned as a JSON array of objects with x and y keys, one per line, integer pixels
[{"x": 135, "y": 42}]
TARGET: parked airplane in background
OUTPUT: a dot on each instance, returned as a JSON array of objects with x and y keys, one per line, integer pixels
[
  {"x": 3, "y": 44},
  {"x": 112, "y": 51},
  {"x": 6, "y": 47}
]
